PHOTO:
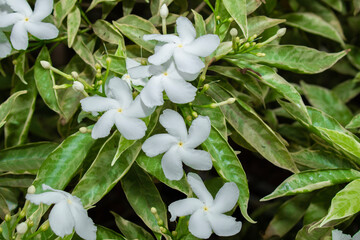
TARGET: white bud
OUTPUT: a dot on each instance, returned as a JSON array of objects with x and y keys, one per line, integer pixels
[
  {"x": 233, "y": 32},
  {"x": 83, "y": 130},
  {"x": 75, "y": 75},
  {"x": 45, "y": 64},
  {"x": 231, "y": 100},
  {"x": 21, "y": 228},
  {"x": 281, "y": 32},
  {"x": 261, "y": 54},
  {"x": 164, "y": 11},
  {"x": 31, "y": 189},
  {"x": 78, "y": 86}
]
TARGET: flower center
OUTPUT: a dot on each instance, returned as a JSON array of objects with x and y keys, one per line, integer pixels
[
  {"x": 180, "y": 45},
  {"x": 120, "y": 110},
  {"x": 165, "y": 73},
  {"x": 180, "y": 144},
  {"x": 26, "y": 19},
  {"x": 127, "y": 76},
  {"x": 205, "y": 208},
  {"x": 69, "y": 201}
]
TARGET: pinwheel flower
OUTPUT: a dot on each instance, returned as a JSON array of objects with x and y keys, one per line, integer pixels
[
  {"x": 179, "y": 145},
  {"x": 25, "y": 20},
  {"x": 5, "y": 47},
  {"x": 165, "y": 77},
  {"x": 185, "y": 49},
  {"x": 67, "y": 213},
  {"x": 206, "y": 213},
  {"x": 120, "y": 109},
  {"x": 127, "y": 78},
  {"x": 339, "y": 235}
]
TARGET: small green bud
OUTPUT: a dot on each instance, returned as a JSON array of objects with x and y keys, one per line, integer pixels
[
  {"x": 30, "y": 223},
  {"x": 153, "y": 210},
  {"x": 163, "y": 230},
  {"x": 253, "y": 44},
  {"x": 83, "y": 130},
  {"x": 247, "y": 45},
  {"x": 189, "y": 118},
  {"x": 108, "y": 60},
  {"x": 206, "y": 87},
  {"x": 233, "y": 32},
  {"x": 97, "y": 66},
  {"x": 194, "y": 114},
  {"x": 15, "y": 62},
  {"x": 8, "y": 217},
  {"x": 22, "y": 214},
  {"x": 202, "y": 78},
  {"x": 45, "y": 64},
  {"x": 143, "y": 62},
  {"x": 218, "y": 17},
  {"x": 98, "y": 75},
  {"x": 261, "y": 54},
  {"x": 45, "y": 226},
  {"x": 231, "y": 19},
  {"x": 174, "y": 233},
  {"x": 31, "y": 189},
  {"x": 75, "y": 75},
  {"x": 160, "y": 222}
]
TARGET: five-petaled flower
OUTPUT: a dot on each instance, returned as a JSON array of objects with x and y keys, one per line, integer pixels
[
  {"x": 67, "y": 213},
  {"x": 207, "y": 213},
  {"x": 25, "y": 20},
  {"x": 179, "y": 145},
  {"x": 120, "y": 109},
  {"x": 185, "y": 49}
]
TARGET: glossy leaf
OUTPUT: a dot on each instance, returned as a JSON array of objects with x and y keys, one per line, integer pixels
[
  {"x": 131, "y": 230},
  {"x": 45, "y": 81},
  {"x": 257, "y": 24},
  {"x": 83, "y": 51},
  {"x": 16, "y": 181},
  {"x": 228, "y": 167},
  {"x": 19, "y": 67},
  {"x": 293, "y": 58},
  {"x": 107, "y": 32},
  {"x": 200, "y": 25},
  {"x": 61, "y": 9},
  {"x": 338, "y": 5},
  {"x": 354, "y": 123},
  {"x": 309, "y": 181},
  {"x": 6, "y": 107},
  {"x": 105, "y": 233},
  {"x": 237, "y": 10},
  {"x": 117, "y": 64},
  {"x": 3, "y": 207},
  {"x": 96, "y": 2},
  {"x": 73, "y": 24},
  {"x": 122, "y": 146}
]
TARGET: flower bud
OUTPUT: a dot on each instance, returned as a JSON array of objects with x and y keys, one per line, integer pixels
[
  {"x": 206, "y": 87},
  {"x": 233, "y": 32},
  {"x": 22, "y": 213},
  {"x": 174, "y": 233},
  {"x": 231, "y": 19},
  {"x": 247, "y": 45},
  {"x": 31, "y": 189},
  {"x": 78, "y": 86},
  {"x": 189, "y": 118},
  {"x": 194, "y": 114},
  {"x": 108, "y": 60},
  {"x": 7, "y": 217},
  {"x": 231, "y": 100},
  {"x": 164, "y": 11},
  {"x": 21, "y": 228},
  {"x": 97, "y": 66},
  {"x": 163, "y": 230},
  {"x": 45, "y": 226},
  {"x": 160, "y": 222},
  {"x": 218, "y": 17},
  {"x": 83, "y": 130},
  {"x": 261, "y": 54},
  {"x": 30, "y": 223},
  {"x": 153, "y": 210},
  {"x": 281, "y": 32},
  {"x": 75, "y": 75},
  {"x": 45, "y": 64}
]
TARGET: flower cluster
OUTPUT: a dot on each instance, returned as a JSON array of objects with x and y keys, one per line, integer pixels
[{"x": 23, "y": 20}]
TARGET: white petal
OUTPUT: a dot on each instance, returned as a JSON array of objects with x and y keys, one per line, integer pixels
[
  {"x": 104, "y": 124},
  {"x": 199, "y": 131},
  {"x": 188, "y": 76},
  {"x": 130, "y": 63},
  {"x": 42, "y": 30},
  {"x": 223, "y": 225},
  {"x": 19, "y": 36},
  {"x": 5, "y": 47},
  {"x": 121, "y": 91},
  {"x": 179, "y": 91},
  {"x": 127, "y": 79},
  {"x": 174, "y": 124},
  {"x": 162, "y": 38},
  {"x": 138, "y": 109},
  {"x": 339, "y": 235},
  {"x": 10, "y": 19},
  {"x": 98, "y": 104},
  {"x": 184, "y": 207},
  {"x": 152, "y": 95},
  {"x": 187, "y": 62},
  {"x": 84, "y": 226},
  {"x": 199, "y": 226},
  {"x": 139, "y": 72},
  {"x": 203, "y": 46},
  {"x": 20, "y": 6},
  {"x": 45, "y": 198},
  {"x": 196, "y": 159},
  {"x": 198, "y": 187},
  {"x": 158, "y": 144},
  {"x": 61, "y": 220},
  {"x": 43, "y": 8},
  {"x": 163, "y": 54},
  {"x": 139, "y": 81},
  {"x": 185, "y": 29},
  {"x": 172, "y": 165},
  {"x": 130, "y": 128},
  {"x": 226, "y": 198}
]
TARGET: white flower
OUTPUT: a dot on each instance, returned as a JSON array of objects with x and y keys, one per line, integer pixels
[
  {"x": 206, "y": 213},
  {"x": 67, "y": 213},
  {"x": 179, "y": 145},
  {"x": 127, "y": 78},
  {"x": 185, "y": 49},
  {"x": 25, "y": 20},
  {"x": 164, "y": 11},
  {"x": 120, "y": 109},
  {"x": 78, "y": 86},
  {"x": 21, "y": 228},
  {"x": 165, "y": 77},
  {"x": 339, "y": 235}
]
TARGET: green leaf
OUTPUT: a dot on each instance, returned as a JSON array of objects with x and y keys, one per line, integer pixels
[
  {"x": 328, "y": 102},
  {"x": 354, "y": 123},
  {"x": 257, "y": 24},
  {"x": 345, "y": 203},
  {"x": 25, "y": 158},
  {"x": 16, "y": 181},
  {"x": 73, "y": 24},
  {"x": 117, "y": 64},
  {"x": 131, "y": 230},
  {"x": 356, "y": 7},
  {"x": 83, "y": 51},
  {"x": 354, "y": 55},
  {"x": 314, "y": 24},
  {"x": 6, "y": 107},
  {"x": 288, "y": 215},
  {"x": 251, "y": 127},
  {"x": 293, "y": 58},
  {"x": 252, "y": 5},
  {"x": 156, "y": 4},
  {"x": 122, "y": 146},
  {"x": 309, "y": 181},
  {"x": 19, "y": 67},
  {"x": 61, "y": 9},
  {"x": 237, "y": 10},
  {"x": 107, "y": 32},
  {"x": 17, "y": 127},
  {"x": 105, "y": 233},
  {"x": 347, "y": 90},
  {"x": 45, "y": 81},
  {"x": 338, "y": 5},
  {"x": 96, "y": 2},
  {"x": 135, "y": 27},
  {"x": 142, "y": 195},
  {"x": 3, "y": 207},
  {"x": 200, "y": 24},
  {"x": 228, "y": 167}
]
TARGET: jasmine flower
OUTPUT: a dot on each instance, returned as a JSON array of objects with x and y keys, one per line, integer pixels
[
  {"x": 207, "y": 214},
  {"x": 178, "y": 145},
  {"x": 127, "y": 78}
]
